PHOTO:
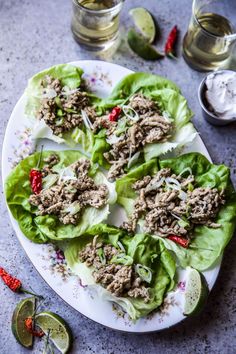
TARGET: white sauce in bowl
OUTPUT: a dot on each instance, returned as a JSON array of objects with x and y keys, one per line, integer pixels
[{"x": 221, "y": 93}]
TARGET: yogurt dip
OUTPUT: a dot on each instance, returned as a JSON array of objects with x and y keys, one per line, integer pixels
[{"x": 221, "y": 93}]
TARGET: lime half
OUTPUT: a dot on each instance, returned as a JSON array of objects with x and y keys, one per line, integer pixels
[
  {"x": 141, "y": 47},
  {"x": 59, "y": 331},
  {"x": 196, "y": 292},
  {"x": 23, "y": 310},
  {"x": 144, "y": 22}
]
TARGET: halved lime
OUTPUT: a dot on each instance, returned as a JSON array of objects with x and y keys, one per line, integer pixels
[
  {"x": 144, "y": 22},
  {"x": 23, "y": 310},
  {"x": 141, "y": 47},
  {"x": 59, "y": 331},
  {"x": 196, "y": 292}
]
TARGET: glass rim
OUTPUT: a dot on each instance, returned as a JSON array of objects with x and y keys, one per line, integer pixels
[
  {"x": 104, "y": 11},
  {"x": 229, "y": 36}
]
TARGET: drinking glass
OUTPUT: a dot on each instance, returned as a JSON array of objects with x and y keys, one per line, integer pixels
[
  {"x": 210, "y": 39},
  {"x": 95, "y": 23}
]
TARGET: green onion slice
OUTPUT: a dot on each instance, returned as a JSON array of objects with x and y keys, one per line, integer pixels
[
  {"x": 101, "y": 256},
  {"x": 144, "y": 272},
  {"x": 122, "y": 258}
]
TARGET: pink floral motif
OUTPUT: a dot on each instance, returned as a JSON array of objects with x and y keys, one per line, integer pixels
[
  {"x": 56, "y": 262},
  {"x": 97, "y": 78},
  {"x": 181, "y": 285},
  {"x": 24, "y": 148}
]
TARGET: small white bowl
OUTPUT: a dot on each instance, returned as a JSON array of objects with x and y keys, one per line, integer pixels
[{"x": 210, "y": 116}]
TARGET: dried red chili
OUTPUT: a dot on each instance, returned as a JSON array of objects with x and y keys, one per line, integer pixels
[
  {"x": 179, "y": 240},
  {"x": 29, "y": 324},
  {"x": 35, "y": 176},
  {"x": 13, "y": 283},
  {"x": 36, "y": 179},
  {"x": 113, "y": 116},
  {"x": 170, "y": 43}
]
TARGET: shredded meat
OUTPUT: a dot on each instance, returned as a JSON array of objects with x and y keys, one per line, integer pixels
[
  {"x": 150, "y": 128},
  {"x": 120, "y": 280},
  {"x": 169, "y": 210},
  {"x": 68, "y": 197},
  {"x": 63, "y": 112}
]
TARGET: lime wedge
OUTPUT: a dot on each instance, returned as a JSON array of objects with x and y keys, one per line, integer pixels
[
  {"x": 141, "y": 47},
  {"x": 144, "y": 22},
  {"x": 59, "y": 331},
  {"x": 23, "y": 310},
  {"x": 196, "y": 292}
]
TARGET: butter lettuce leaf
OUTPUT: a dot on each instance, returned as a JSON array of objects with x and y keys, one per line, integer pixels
[
  {"x": 144, "y": 249},
  {"x": 48, "y": 227},
  {"x": 70, "y": 76},
  {"x": 207, "y": 244},
  {"x": 168, "y": 98}
]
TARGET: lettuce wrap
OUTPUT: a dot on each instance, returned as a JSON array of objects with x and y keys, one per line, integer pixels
[
  {"x": 171, "y": 104},
  {"x": 71, "y": 79},
  {"x": 142, "y": 249},
  {"x": 42, "y": 228},
  {"x": 207, "y": 244}
]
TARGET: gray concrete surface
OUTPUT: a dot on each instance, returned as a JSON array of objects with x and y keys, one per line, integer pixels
[{"x": 35, "y": 35}]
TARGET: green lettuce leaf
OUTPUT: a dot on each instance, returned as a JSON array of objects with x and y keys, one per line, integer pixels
[
  {"x": 70, "y": 76},
  {"x": 169, "y": 99},
  {"x": 208, "y": 244},
  {"x": 144, "y": 249},
  {"x": 43, "y": 228}
]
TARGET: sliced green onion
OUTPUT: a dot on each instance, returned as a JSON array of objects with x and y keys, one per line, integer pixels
[
  {"x": 190, "y": 187},
  {"x": 70, "y": 110},
  {"x": 127, "y": 112},
  {"x": 101, "y": 256},
  {"x": 187, "y": 169},
  {"x": 60, "y": 112},
  {"x": 183, "y": 223},
  {"x": 86, "y": 120},
  {"x": 122, "y": 258},
  {"x": 152, "y": 186},
  {"x": 144, "y": 272},
  {"x": 121, "y": 246},
  {"x": 58, "y": 102},
  {"x": 133, "y": 159},
  {"x": 172, "y": 183},
  {"x": 50, "y": 180},
  {"x": 73, "y": 208},
  {"x": 59, "y": 121}
]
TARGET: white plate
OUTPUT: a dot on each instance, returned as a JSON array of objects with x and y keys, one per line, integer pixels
[{"x": 50, "y": 263}]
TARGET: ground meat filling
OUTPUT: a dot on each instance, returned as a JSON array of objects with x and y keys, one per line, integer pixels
[
  {"x": 62, "y": 112},
  {"x": 69, "y": 195},
  {"x": 172, "y": 205},
  {"x": 120, "y": 280},
  {"x": 151, "y": 127}
]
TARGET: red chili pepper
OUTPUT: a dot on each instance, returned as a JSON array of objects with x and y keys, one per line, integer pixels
[
  {"x": 113, "y": 116},
  {"x": 36, "y": 177},
  {"x": 36, "y": 180},
  {"x": 170, "y": 43},
  {"x": 13, "y": 283},
  {"x": 180, "y": 240},
  {"x": 29, "y": 324}
]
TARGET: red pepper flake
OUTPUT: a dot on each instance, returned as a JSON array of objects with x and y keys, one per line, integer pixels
[
  {"x": 170, "y": 43},
  {"x": 179, "y": 240},
  {"x": 13, "y": 283},
  {"x": 29, "y": 324},
  {"x": 113, "y": 116}
]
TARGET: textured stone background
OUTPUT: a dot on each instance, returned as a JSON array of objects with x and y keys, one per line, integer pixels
[{"x": 35, "y": 35}]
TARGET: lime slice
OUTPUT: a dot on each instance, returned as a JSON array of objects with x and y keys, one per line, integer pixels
[
  {"x": 60, "y": 333},
  {"x": 23, "y": 310},
  {"x": 196, "y": 292},
  {"x": 140, "y": 46},
  {"x": 144, "y": 22}
]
